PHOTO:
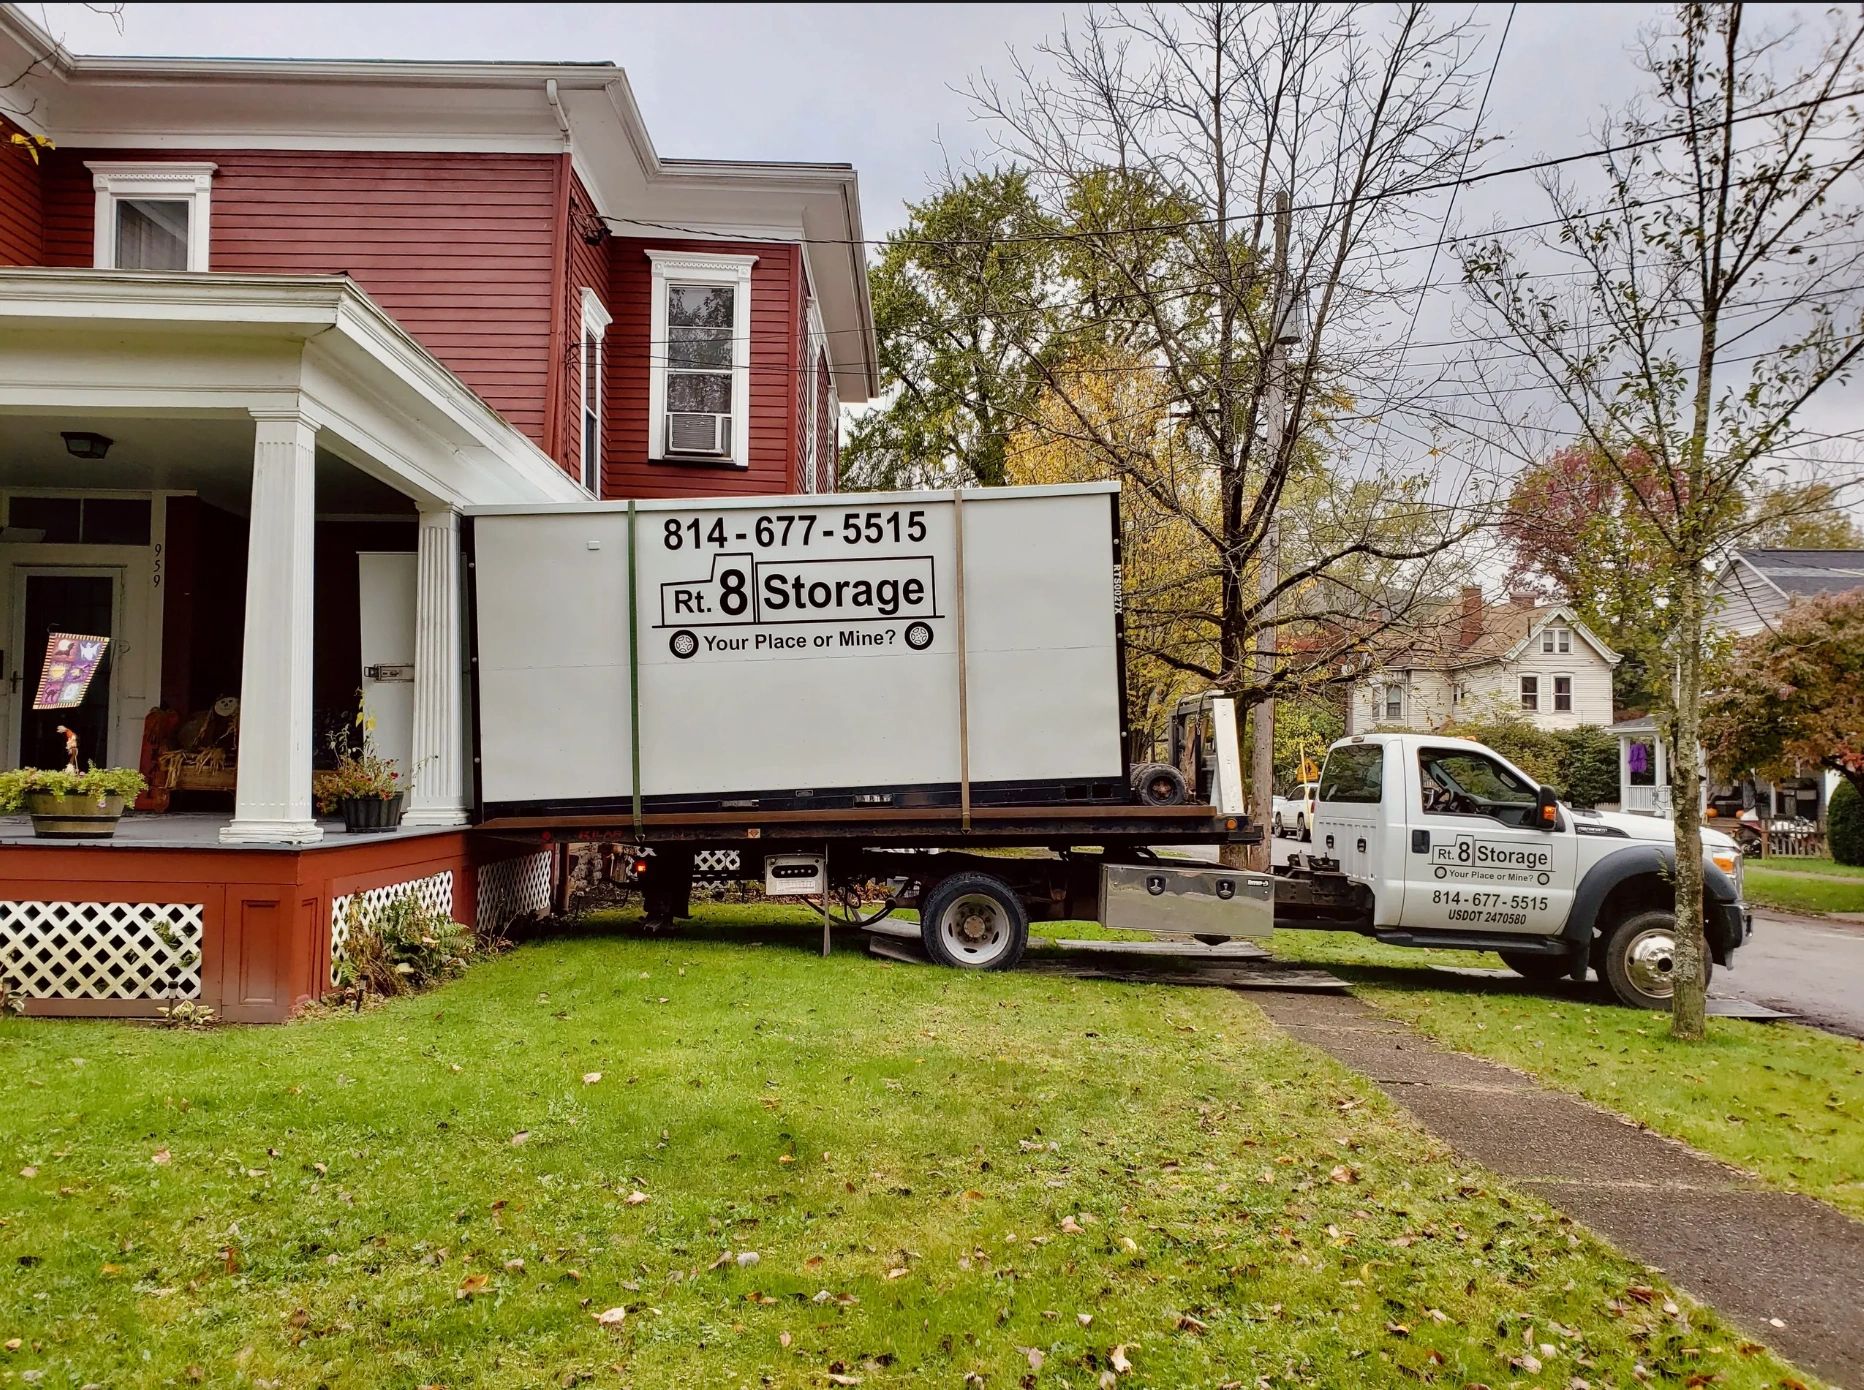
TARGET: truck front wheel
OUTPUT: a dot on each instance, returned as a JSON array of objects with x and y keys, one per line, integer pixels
[
  {"x": 974, "y": 922},
  {"x": 1640, "y": 960}
]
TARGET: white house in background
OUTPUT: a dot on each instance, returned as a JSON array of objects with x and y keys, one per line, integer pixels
[
  {"x": 1535, "y": 659},
  {"x": 1756, "y": 587},
  {"x": 1753, "y": 591}
]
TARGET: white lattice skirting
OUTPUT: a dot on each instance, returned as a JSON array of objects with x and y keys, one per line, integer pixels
[
  {"x": 513, "y": 888},
  {"x": 61, "y": 950},
  {"x": 435, "y": 893},
  {"x": 716, "y": 863}
]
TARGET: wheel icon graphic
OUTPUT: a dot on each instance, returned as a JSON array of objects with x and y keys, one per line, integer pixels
[
  {"x": 918, "y": 636},
  {"x": 683, "y": 644}
]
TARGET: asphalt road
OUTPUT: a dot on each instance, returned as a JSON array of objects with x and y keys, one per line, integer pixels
[{"x": 1808, "y": 966}]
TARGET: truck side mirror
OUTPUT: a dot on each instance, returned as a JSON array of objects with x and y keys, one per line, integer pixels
[{"x": 1546, "y": 810}]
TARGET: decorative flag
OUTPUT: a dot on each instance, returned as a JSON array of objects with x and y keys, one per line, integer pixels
[{"x": 71, "y": 662}]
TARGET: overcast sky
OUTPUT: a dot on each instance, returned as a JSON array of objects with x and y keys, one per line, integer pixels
[{"x": 880, "y": 85}]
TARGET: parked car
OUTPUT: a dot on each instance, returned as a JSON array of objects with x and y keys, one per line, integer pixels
[{"x": 1294, "y": 814}]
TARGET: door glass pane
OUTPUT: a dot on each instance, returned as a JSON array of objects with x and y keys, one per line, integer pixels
[
  {"x": 152, "y": 234},
  {"x": 1468, "y": 784},
  {"x": 58, "y": 517},
  {"x": 66, "y": 603},
  {"x": 1354, "y": 774},
  {"x": 708, "y": 392},
  {"x": 116, "y": 521}
]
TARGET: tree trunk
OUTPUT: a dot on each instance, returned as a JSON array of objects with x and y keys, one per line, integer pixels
[{"x": 1689, "y": 1004}]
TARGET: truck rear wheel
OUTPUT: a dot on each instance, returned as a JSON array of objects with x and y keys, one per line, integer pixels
[
  {"x": 1640, "y": 960},
  {"x": 974, "y": 922}
]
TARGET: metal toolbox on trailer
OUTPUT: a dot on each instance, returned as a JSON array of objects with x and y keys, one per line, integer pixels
[
  {"x": 1193, "y": 900},
  {"x": 813, "y": 653}
]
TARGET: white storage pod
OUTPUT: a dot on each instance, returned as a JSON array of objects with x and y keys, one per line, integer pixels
[{"x": 799, "y": 652}]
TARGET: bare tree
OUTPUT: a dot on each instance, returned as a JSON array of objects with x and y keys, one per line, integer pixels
[
  {"x": 1709, "y": 301},
  {"x": 1162, "y": 138},
  {"x": 15, "y": 101}
]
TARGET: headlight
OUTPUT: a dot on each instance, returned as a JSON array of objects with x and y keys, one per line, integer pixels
[{"x": 1729, "y": 862}]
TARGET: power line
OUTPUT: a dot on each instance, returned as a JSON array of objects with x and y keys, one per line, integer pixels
[{"x": 1378, "y": 195}]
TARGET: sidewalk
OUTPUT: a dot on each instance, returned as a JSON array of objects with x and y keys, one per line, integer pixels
[{"x": 1784, "y": 1268}]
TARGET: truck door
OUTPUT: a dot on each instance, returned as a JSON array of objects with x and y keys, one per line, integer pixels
[
  {"x": 1358, "y": 817},
  {"x": 1475, "y": 860}
]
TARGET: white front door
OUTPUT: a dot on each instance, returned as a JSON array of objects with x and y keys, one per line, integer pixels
[
  {"x": 387, "y": 589},
  {"x": 81, "y": 599}
]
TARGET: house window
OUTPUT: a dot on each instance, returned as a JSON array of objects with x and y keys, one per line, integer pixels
[
  {"x": 1394, "y": 702},
  {"x": 700, "y": 383},
  {"x": 595, "y": 321},
  {"x": 151, "y": 216},
  {"x": 1530, "y": 693},
  {"x": 1563, "y": 694},
  {"x": 1556, "y": 640}
]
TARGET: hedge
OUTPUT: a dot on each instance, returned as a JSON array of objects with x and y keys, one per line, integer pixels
[{"x": 1844, "y": 824}]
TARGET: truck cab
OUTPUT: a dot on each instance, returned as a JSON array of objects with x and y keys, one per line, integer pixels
[{"x": 1449, "y": 844}]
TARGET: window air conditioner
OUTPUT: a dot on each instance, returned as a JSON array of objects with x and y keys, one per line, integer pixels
[{"x": 689, "y": 433}]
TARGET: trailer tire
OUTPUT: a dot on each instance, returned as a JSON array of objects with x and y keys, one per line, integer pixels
[
  {"x": 1160, "y": 784},
  {"x": 972, "y": 921}
]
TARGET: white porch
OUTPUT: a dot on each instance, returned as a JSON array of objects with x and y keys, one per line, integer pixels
[{"x": 293, "y": 401}]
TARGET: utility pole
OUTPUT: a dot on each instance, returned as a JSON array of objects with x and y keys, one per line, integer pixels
[{"x": 1282, "y": 332}]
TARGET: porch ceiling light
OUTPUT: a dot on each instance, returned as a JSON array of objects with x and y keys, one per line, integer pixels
[{"x": 82, "y": 444}]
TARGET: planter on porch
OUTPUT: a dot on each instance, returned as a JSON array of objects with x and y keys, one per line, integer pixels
[
  {"x": 362, "y": 813},
  {"x": 74, "y": 815}
]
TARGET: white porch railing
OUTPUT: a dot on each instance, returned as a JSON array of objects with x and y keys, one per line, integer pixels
[{"x": 1649, "y": 800}]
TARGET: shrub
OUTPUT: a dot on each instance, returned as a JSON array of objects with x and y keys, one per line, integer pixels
[
  {"x": 407, "y": 947},
  {"x": 1535, "y": 751},
  {"x": 1844, "y": 824},
  {"x": 97, "y": 781},
  {"x": 1588, "y": 765}
]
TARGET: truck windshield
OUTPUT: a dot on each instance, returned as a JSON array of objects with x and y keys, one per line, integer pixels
[{"x": 1354, "y": 773}]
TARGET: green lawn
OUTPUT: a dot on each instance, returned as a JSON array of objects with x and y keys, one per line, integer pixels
[
  {"x": 1028, "y": 1178},
  {"x": 1828, "y": 868},
  {"x": 1777, "y": 1099},
  {"x": 1796, "y": 890}
]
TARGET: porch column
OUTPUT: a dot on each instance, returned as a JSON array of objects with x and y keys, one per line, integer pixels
[
  {"x": 439, "y": 765},
  {"x": 273, "y": 801}
]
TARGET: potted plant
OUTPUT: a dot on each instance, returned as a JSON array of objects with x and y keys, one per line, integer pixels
[
  {"x": 367, "y": 788},
  {"x": 66, "y": 804}
]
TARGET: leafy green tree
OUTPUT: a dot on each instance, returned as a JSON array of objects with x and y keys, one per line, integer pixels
[
  {"x": 960, "y": 295},
  {"x": 1305, "y": 724},
  {"x": 1844, "y": 824},
  {"x": 1725, "y": 196},
  {"x": 1810, "y": 516},
  {"x": 1588, "y": 765}
]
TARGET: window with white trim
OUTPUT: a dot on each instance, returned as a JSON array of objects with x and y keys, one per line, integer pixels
[
  {"x": 1563, "y": 694},
  {"x": 1530, "y": 694},
  {"x": 1556, "y": 640},
  {"x": 699, "y": 384},
  {"x": 595, "y": 321},
  {"x": 151, "y": 216},
  {"x": 1394, "y": 701}
]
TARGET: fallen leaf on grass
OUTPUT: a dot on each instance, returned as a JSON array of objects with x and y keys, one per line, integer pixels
[
  {"x": 611, "y": 1317},
  {"x": 1036, "y": 1358},
  {"x": 1342, "y": 1174},
  {"x": 1085, "y": 1319},
  {"x": 1187, "y": 1323},
  {"x": 1070, "y": 1226},
  {"x": 1397, "y": 1329},
  {"x": 159, "y": 1156},
  {"x": 29, "y": 1172},
  {"x": 472, "y": 1284},
  {"x": 1117, "y": 1359},
  {"x": 783, "y": 1339},
  {"x": 900, "y": 1272},
  {"x": 635, "y": 1198},
  {"x": 14, "y": 1344},
  {"x": 521, "y": 1137},
  {"x": 837, "y": 1378},
  {"x": 970, "y": 1194},
  {"x": 1129, "y": 1245},
  {"x": 514, "y": 1266},
  {"x": 589, "y": 1078}
]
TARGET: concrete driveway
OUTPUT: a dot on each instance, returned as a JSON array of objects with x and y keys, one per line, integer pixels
[{"x": 1809, "y": 966}]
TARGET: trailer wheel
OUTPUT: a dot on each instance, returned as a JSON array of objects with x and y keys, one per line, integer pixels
[
  {"x": 1159, "y": 784},
  {"x": 974, "y": 922}
]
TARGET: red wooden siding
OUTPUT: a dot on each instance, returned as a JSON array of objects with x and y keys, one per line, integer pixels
[
  {"x": 459, "y": 248},
  {"x": 775, "y": 314},
  {"x": 588, "y": 269},
  {"x": 22, "y": 222}
]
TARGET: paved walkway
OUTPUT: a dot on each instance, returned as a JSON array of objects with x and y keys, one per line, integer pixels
[{"x": 1786, "y": 1269}]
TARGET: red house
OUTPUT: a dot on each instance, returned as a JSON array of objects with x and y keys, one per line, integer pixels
[{"x": 265, "y": 327}]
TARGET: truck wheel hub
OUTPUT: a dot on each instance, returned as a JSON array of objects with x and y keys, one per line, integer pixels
[{"x": 1650, "y": 961}]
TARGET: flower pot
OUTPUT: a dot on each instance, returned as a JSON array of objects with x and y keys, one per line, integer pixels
[
  {"x": 370, "y": 812},
  {"x": 75, "y": 816}
]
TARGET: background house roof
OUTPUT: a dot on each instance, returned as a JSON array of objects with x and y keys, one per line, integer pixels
[
  {"x": 1478, "y": 633},
  {"x": 1807, "y": 573}
]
